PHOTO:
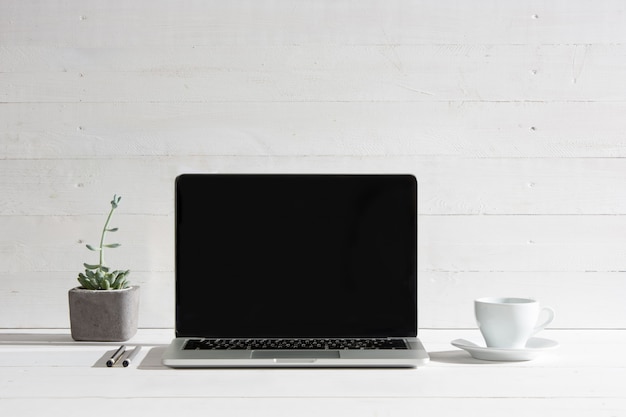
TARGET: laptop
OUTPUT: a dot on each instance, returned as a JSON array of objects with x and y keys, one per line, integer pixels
[{"x": 296, "y": 270}]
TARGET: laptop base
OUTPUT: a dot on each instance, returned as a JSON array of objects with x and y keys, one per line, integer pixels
[{"x": 176, "y": 357}]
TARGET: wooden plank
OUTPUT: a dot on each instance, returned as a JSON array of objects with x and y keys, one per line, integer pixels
[
  {"x": 522, "y": 243},
  {"x": 59, "y": 339},
  {"x": 514, "y": 62},
  {"x": 276, "y": 407},
  {"x": 447, "y": 186},
  {"x": 313, "y": 73},
  {"x": 356, "y": 74},
  {"x": 443, "y": 382},
  {"x": 88, "y": 23},
  {"x": 580, "y": 299},
  {"x": 479, "y": 129},
  {"x": 57, "y": 243}
]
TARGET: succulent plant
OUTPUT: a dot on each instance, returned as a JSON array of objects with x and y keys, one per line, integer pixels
[{"x": 100, "y": 277}]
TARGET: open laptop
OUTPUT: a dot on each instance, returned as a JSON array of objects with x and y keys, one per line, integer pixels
[{"x": 276, "y": 270}]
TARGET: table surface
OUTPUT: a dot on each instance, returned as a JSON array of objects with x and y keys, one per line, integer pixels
[{"x": 45, "y": 371}]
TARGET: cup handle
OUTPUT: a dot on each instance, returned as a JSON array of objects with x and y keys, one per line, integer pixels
[{"x": 541, "y": 326}]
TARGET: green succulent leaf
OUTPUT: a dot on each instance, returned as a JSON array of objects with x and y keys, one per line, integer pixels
[
  {"x": 119, "y": 283},
  {"x": 123, "y": 284},
  {"x": 93, "y": 249},
  {"x": 86, "y": 282},
  {"x": 88, "y": 266},
  {"x": 116, "y": 280},
  {"x": 115, "y": 229},
  {"x": 113, "y": 245}
]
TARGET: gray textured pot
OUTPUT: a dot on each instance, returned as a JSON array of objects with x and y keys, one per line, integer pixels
[{"x": 104, "y": 315}]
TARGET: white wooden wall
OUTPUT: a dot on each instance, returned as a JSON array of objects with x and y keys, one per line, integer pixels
[{"x": 512, "y": 115}]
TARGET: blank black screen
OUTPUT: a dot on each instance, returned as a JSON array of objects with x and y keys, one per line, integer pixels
[{"x": 296, "y": 255}]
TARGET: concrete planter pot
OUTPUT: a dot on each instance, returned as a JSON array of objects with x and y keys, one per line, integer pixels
[{"x": 104, "y": 315}]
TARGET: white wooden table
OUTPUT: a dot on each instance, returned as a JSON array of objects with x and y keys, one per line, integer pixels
[{"x": 43, "y": 372}]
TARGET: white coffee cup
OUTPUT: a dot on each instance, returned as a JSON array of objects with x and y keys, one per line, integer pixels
[{"x": 507, "y": 322}]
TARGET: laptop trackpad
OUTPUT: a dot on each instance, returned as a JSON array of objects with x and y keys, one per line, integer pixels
[{"x": 295, "y": 354}]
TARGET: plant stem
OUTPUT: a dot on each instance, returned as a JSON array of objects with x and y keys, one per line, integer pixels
[{"x": 104, "y": 230}]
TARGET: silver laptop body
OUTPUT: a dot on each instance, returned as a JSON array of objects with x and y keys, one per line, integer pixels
[{"x": 296, "y": 270}]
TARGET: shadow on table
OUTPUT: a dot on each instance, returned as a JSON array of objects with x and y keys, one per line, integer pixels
[
  {"x": 456, "y": 357},
  {"x": 151, "y": 360},
  {"x": 36, "y": 339}
]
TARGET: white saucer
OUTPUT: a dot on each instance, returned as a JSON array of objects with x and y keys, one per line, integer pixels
[{"x": 534, "y": 348}]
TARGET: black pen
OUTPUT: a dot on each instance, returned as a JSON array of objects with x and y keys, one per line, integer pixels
[
  {"x": 132, "y": 354},
  {"x": 116, "y": 356}
]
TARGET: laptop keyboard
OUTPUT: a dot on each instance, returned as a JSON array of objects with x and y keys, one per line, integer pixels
[{"x": 320, "y": 344}]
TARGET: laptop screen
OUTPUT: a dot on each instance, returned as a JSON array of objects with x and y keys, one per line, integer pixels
[{"x": 278, "y": 255}]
